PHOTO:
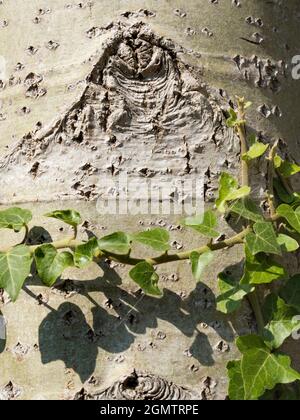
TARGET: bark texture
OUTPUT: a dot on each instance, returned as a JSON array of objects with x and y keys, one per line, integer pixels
[{"x": 95, "y": 88}]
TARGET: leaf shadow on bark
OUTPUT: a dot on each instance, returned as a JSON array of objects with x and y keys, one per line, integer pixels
[{"x": 123, "y": 321}]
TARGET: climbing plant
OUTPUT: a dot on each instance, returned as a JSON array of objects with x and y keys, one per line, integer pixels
[{"x": 270, "y": 231}]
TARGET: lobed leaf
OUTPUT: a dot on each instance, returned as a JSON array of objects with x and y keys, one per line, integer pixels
[
  {"x": 292, "y": 216},
  {"x": 281, "y": 319},
  {"x": 117, "y": 243},
  {"x": 256, "y": 150},
  {"x": 157, "y": 239},
  {"x": 15, "y": 218},
  {"x": 200, "y": 262},
  {"x": 145, "y": 276},
  {"x": 232, "y": 120},
  {"x": 290, "y": 292},
  {"x": 85, "y": 253},
  {"x": 285, "y": 167},
  {"x": 287, "y": 243},
  {"x": 285, "y": 196},
  {"x": 204, "y": 224},
  {"x": 229, "y": 191},
  {"x": 50, "y": 264},
  {"x": 263, "y": 239},
  {"x": 246, "y": 208},
  {"x": 70, "y": 217},
  {"x": 236, "y": 391},
  {"x": 261, "y": 269},
  {"x": 287, "y": 392},
  {"x": 258, "y": 371},
  {"x": 232, "y": 294},
  {"x": 14, "y": 269}
]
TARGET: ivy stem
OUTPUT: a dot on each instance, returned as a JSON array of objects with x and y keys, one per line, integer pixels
[
  {"x": 167, "y": 258},
  {"x": 255, "y": 305},
  {"x": 75, "y": 231},
  {"x": 25, "y": 235},
  {"x": 62, "y": 244},
  {"x": 181, "y": 256},
  {"x": 285, "y": 182},
  {"x": 162, "y": 259},
  {"x": 241, "y": 129},
  {"x": 271, "y": 173}
]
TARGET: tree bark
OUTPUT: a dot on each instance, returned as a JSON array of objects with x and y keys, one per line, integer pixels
[{"x": 95, "y": 329}]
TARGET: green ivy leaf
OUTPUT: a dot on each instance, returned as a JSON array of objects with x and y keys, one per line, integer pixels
[
  {"x": 287, "y": 243},
  {"x": 285, "y": 167},
  {"x": 157, "y": 239},
  {"x": 290, "y": 292},
  {"x": 256, "y": 150},
  {"x": 236, "y": 391},
  {"x": 263, "y": 239},
  {"x": 85, "y": 253},
  {"x": 284, "y": 195},
  {"x": 200, "y": 262},
  {"x": 261, "y": 269},
  {"x": 229, "y": 191},
  {"x": 50, "y": 264},
  {"x": 232, "y": 120},
  {"x": 281, "y": 321},
  {"x": 117, "y": 243},
  {"x": 287, "y": 392},
  {"x": 14, "y": 218},
  {"x": 232, "y": 113},
  {"x": 70, "y": 217},
  {"x": 292, "y": 216},
  {"x": 247, "y": 342},
  {"x": 258, "y": 371},
  {"x": 252, "y": 139},
  {"x": 296, "y": 202},
  {"x": 145, "y": 276},
  {"x": 246, "y": 208},
  {"x": 14, "y": 269},
  {"x": 204, "y": 224},
  {"x": 232, "y": 294}
]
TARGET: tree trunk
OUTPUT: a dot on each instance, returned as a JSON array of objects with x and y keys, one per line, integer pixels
[{"x": 59, "y": 65}]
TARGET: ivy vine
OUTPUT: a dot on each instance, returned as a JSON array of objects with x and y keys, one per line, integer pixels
[{"x": 269, "y": 234}]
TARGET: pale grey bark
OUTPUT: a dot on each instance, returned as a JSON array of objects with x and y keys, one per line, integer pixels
[{"x": 94, "y": 326}]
